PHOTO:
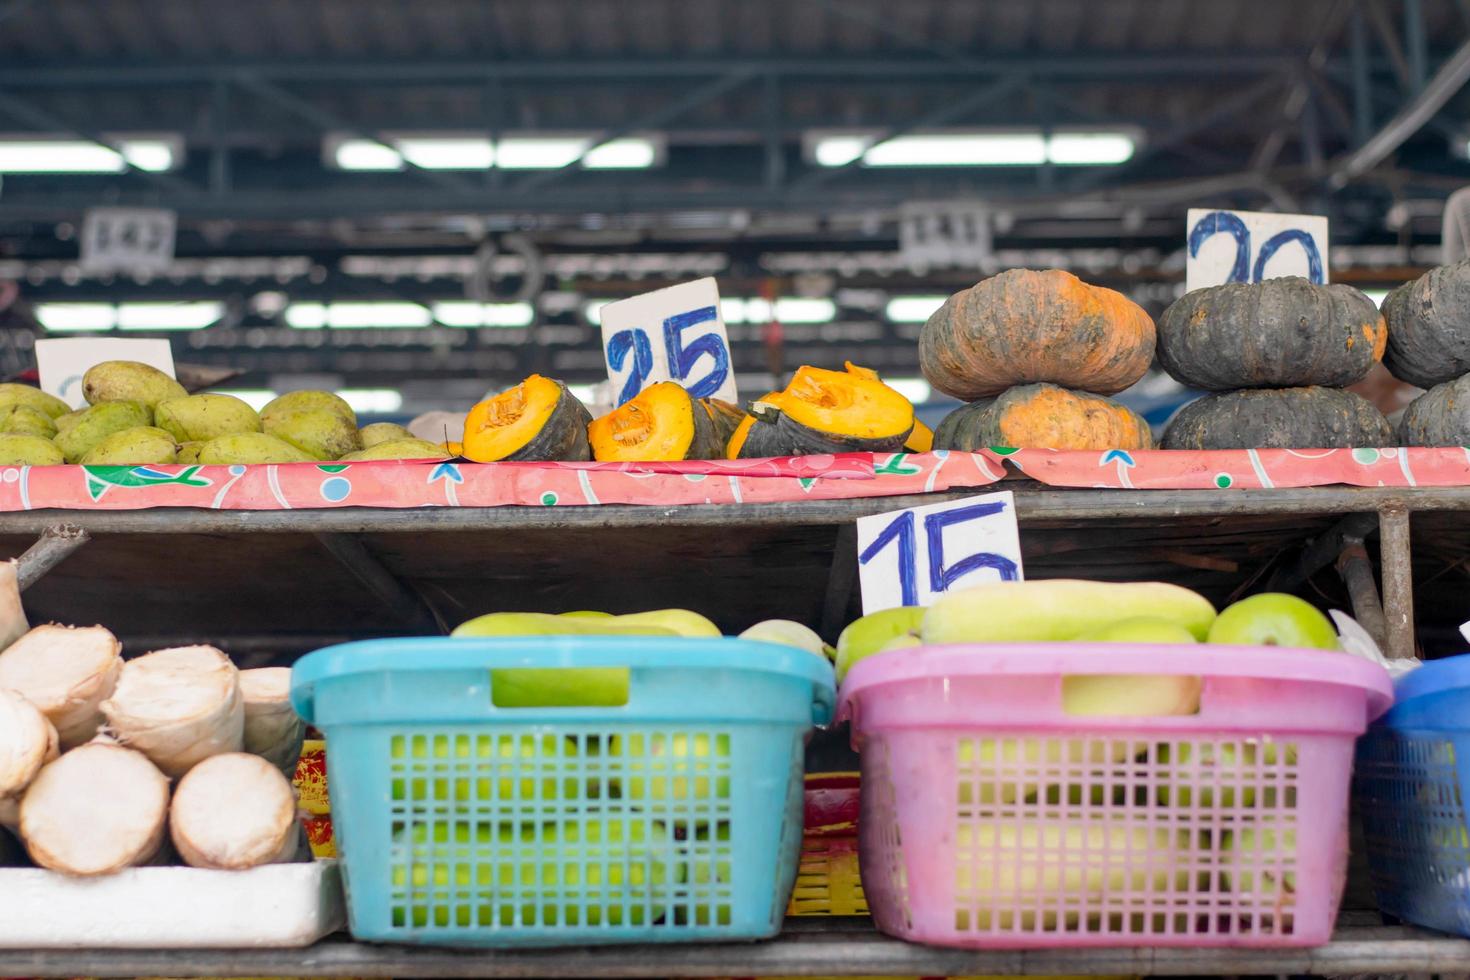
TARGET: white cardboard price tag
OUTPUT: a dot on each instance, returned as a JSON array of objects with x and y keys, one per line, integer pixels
[
  {"x": 61, "y": 363},
  {"x": 673, "y": 334},
  {"x": 911, "y": 557},
  {"x": 1248, "y": 246},
  {"x": 128, "y": 240}
]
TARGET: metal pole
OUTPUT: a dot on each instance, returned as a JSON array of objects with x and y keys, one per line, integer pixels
[
  {"x": 1362, "y": 92},
  {"x": 1398, "y": 582},
  {"x": 775, "y": 145},
  {"x": 219, "y": 138},
  {"x": 1416, "y": 44}
]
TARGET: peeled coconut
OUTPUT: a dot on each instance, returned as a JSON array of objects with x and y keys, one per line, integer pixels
[
  {"x": 94, "y": 811},
  {"x": 13, "y": 623},
  {"x": 27, "y": 742},
  {"x": 67, "y": 672},
  {"x": 178, "y": 707},
  {"x": 235, "y": 811},
  {"x": 273, "y": 730}
]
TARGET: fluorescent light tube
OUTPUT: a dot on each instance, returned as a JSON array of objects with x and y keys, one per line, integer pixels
[
  {"x": 306, "y": 316},
  {"x": 372, "y": 400},
  {"x": 54, "y": 156},
  {"x": 168, "y": 316},
  {"x": 66, "y": 317},
  {"x": 1089, "y": 149},
  {"x": 912, "y": 309},
  {"x": 468, "y": 314}
]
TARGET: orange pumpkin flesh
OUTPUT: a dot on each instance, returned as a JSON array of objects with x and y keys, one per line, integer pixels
[
  {"x": 538, "y": 419},
  {"x": 850, "y": 405},
  {"x": 661, "y": 423},
  {"x": 737, "y": 440},
  {"x": 921, "y": 440}
]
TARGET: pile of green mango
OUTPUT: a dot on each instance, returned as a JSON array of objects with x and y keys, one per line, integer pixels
[{"x": 138, "y": 415}]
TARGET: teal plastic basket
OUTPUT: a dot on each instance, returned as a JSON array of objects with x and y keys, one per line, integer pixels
[{"x": 674, "y": 817}]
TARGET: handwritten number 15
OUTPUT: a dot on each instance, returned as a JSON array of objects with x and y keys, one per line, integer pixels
[{"x": 902, "y": 530}]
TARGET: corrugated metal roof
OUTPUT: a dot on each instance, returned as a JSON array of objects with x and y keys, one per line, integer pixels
[{"x": 167, "y": 30}]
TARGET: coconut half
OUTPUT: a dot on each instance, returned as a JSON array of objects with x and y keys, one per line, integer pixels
[
  {"x": 273, "y": 730},
  {"x": 67, "y": 672},
  {"x": 178, "y": 707},
  {"x": 13, "y": 623},
  {"x": 234, "y": 811},
  {"x": 96, "y": 810},
  {"x": 27, "y": 742}
]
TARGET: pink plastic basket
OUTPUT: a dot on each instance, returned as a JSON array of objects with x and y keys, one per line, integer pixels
[{"x": 991, "y": 818}]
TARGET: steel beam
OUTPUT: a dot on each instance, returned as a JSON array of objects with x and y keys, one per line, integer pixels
[
  {"x": 48, "y": 123},
  {"x": 1447, "y": 81},
  {"x": 942, "y": 116},
  {"x": 327, "y": 121},
  {"x": 692, "y": 100},
  {"x": 219, "y": 139},
  {"x": 1416, "y": 45},
  {"x": 774, "y": 138},
  {"x": 1362, "y": 86},
  {"x": 1388, "y": 39}
]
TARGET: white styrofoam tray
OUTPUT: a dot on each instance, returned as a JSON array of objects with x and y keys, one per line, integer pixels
[{"x": 277, "y": 905}]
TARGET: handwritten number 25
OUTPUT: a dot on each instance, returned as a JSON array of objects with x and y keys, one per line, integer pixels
[
  {"x": 682, "y": 359},
  {"x": 941, "y": 577},
  {"x": 619, "y": 346}
]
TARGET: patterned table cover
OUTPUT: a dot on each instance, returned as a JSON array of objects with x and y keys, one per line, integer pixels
[{"x": 293, "y": 486}]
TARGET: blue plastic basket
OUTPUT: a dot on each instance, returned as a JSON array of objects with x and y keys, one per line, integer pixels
[
  {"x": 672, "y": 818},
  {"x": 1413, "y": 768}
]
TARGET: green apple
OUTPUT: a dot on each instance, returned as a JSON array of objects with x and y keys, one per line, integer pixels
[
  {"x": 1274, "y": 619},
  {"x": 870, "y": 634}
]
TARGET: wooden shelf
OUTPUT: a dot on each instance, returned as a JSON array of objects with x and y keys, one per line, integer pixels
[{"x": 807, "y": 947}]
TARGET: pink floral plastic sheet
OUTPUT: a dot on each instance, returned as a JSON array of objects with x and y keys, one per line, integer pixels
[{"x": 294, "y": 486}]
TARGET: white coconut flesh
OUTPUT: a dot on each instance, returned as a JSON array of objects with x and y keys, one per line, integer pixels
[
  {"x": 178, "y": 706},
  {"x": 272, "y": 728},
  {"x": 66, "y": 672},
  {"x": 27, "y": 742},
  {"x": 234, "y": 811},
  {"x": 13, "y": 623},
  {"x": 96, "y": 810}
]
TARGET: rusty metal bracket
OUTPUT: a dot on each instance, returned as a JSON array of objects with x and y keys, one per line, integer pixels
[
  {"x": 1356, "y": 571},
  {"x": 56, "y": 544}
]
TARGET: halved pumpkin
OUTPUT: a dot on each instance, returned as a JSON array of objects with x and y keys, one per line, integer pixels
[
  {"x": 921, "y": 440},
  {"x": 727, "y": 418},
  {"x": 661, "y": 423},
  {"x": 538, "y": 419},
  {"x": 823, "y": 411}
]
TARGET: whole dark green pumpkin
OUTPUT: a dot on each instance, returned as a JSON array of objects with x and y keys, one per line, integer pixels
[
  {"x": 1439, "y": 417},
  {"x": 1285, "y": 418},
  {"x": 1280, "y": 333},
  {"x": 1429, "y": 327}
]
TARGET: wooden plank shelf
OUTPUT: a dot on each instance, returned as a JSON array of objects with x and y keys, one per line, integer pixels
[{"x": 807, "y": 947}]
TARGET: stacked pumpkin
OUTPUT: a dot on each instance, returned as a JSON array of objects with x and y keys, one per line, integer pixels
[
  {"x": 1429, "y": 346},
  {"x": 1034, "y": 354},
  {"x": 1276, "y": 356}
]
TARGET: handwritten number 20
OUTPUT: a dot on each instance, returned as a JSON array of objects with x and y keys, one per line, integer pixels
[
  {"x": 1225, "y": 223},
  {"x": 941, "y": 577}
]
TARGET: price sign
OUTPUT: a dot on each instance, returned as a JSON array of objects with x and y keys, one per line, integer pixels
[
  {"x": 944, "y": 234},
  {"x": 910, "y": 557},
  {"x": 673, "y": 334},
  {"x": 1248, "y": 246},
  {"x": 61, "y": 363},
  {"x": 128, "y": 240}
]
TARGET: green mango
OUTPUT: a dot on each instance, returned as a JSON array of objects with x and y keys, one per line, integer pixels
[
  {"x": 97, "y": 423},
  {"x": 874, "y": 633},
  {"x": 306, "y": 401},
  {"x": 380, "y": 432},
  {"x": 189, "y": 451},
  {"x": 25, "y": 450},
  {"x": 250, "y": 447},
  {"x": 398, "y": 449},
  {"x": 1052, "y": 610},
  {"x": 19, "y": 394},
  {"x": 133, "y": 447},
  {"x": 679, "y": 621},
  {"x": 64, "y": 422},
  {"x": 319, "y": 433},
  {"x": 128, "y": 381},
  {"x": 206, "y": 416},
  {"x": 22, "y": 420}
]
